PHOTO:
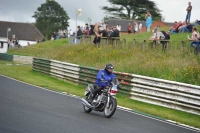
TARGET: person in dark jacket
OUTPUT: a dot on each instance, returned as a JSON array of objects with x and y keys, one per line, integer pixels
[
  {"x": 79, "y": 34},
  {"x": 103, "y": 80},
  {"x": 115, "y": 32}
]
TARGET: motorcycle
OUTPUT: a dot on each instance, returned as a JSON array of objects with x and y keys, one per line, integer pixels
[{"x": 105, "y": 101}]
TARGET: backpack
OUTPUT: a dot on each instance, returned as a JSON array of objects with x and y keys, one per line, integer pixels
[{"x": 167, "y": 36}]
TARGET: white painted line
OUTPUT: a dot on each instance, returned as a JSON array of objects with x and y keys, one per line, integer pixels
[{"x": 119, "y": 107}]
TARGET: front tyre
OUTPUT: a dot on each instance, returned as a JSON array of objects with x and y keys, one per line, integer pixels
[
  {"x": 109, "y": 111},
  {"x": 86, "y": 109}
]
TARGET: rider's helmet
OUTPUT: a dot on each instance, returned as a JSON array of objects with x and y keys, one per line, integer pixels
[{"x": 109, "y": 68}]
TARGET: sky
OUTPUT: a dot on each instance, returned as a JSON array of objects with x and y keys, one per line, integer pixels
[{"x": 23, "y": 10}]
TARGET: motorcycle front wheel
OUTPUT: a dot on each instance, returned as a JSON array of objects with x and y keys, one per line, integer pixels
[
  {"x": 110, "y": 110},
  {"x": 86, "y": 109}
]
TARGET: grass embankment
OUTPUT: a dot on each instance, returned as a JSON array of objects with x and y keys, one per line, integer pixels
[
  {"x": 172, "y": 64},
  {"x": 25, "y": 73}
]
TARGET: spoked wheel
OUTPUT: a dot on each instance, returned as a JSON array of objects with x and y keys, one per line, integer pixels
[
  {"x": 110, "y": 110},
  {"x": 86, "y": 109}
]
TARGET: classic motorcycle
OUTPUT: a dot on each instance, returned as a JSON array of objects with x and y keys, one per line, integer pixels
[{"x": 105, "y": 101}]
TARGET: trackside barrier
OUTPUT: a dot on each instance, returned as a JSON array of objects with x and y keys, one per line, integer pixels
[{"x": 175, "y": 95}]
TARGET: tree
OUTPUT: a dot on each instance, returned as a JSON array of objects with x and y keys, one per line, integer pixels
[
  {"x": 132, "y": 9},
  {"x": 50, "y": 17}
]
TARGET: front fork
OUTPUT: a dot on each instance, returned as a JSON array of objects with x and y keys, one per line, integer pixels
[{"x": 108, "y": 102}]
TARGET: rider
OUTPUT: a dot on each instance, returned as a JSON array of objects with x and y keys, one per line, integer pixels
[{"x": 103, "y": 80}]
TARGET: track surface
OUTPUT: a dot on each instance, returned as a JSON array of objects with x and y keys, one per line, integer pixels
[{"x": 28, "y": 109}]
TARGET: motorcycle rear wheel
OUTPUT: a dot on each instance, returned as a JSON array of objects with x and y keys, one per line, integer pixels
[{"x": 109, "y": 111}]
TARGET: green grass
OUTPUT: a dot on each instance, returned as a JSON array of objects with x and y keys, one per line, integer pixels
[
  {"x": 25, "y": 73},
  {"x": 172, "y": 64}
]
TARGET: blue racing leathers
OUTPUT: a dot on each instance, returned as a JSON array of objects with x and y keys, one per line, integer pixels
[{"x": 103, "y": 76}]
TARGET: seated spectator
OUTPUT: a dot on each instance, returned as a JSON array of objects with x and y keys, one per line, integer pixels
[
  {"x": 195, "y": 38},
  {"x": 182, "y": 27},
  {"x": 197, "y": 22},
  {"x": 175, "y": 29},
  {"x": 187, "y": 28}
]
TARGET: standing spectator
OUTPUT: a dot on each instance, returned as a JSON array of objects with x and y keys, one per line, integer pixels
[
  {"x": 115, "y": 32},
  {"x": 146, "y": 17},
  {"x": 129, "y": 28},
  {"x": 140, "y": 27},
  {"x": 109, "y": 31},
  {"x": 52, "y": 38},
  {"x": 149, "y": 22},
  {"x": 71, "y": 36},
  {"x": 91, "y": 30},
  {"x": 79, "y": 34},
  {"x": 189, "y": 9},
  {"x": 96, "y": 28},
  {"x": 119, "y": 28},
  {"x": 9, "y": 43},
  {"x": 104, "y": 26},
  {"x": 135, "y": 27}
]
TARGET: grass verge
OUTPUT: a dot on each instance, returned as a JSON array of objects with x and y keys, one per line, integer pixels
[{"x": 25, "y": 73}]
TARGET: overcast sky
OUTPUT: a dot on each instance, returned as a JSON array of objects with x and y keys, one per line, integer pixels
[{"x": 23, "y": 10}]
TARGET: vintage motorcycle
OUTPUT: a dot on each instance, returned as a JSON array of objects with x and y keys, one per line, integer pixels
[{"x": 104, "y": 101}]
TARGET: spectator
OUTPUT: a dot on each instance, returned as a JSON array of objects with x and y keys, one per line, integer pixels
[
  {"x": 189, "y": 9},
  {"x": 149, "y": 22},
  {"x": 96, "y": 29},
  {"x": 52, "y": 38},
  {"x": 135, "y": 27},
  {"x": 109, "y": 31},
  {"x": 140, "y": 27},
  {"x": 195, "y": 38},
  {"x": 79, "y": 34},
  {"x": 91, "y": 30},
  {"x": 187, "y": 28},
  {"x": 115, "y": 32},
  {"x": 129, "y": 28},
  {"x": 197, "y": 22},
  {"x": 182, "y": 27},
  {"x": 28, "y": 44},
  {"x": 157, "y": 35},
  {"x": 101, "y": 33},
  {"x": 176, "y": 27},
  {"x": 119, "y": 28},
  {"x": 71, "y": 38},
  {"x": 104, "y": 26}
]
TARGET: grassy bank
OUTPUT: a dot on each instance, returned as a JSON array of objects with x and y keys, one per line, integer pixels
[
  {"x": 25, "y": 73},
  {"x": 172, "y": 64}
]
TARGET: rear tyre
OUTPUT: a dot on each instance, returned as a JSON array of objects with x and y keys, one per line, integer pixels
[{"x": 109, "y": 111}]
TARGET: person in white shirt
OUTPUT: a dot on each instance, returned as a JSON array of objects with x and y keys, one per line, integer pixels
[
  {"x": 135, "y": 27},
  {"x": 195, "y": 38},
  {"x": 140, "y": 27},
  {"x": 71, "y": 38}
]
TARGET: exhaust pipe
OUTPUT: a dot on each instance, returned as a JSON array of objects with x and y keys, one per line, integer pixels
[{"x": 84, "y": 102}]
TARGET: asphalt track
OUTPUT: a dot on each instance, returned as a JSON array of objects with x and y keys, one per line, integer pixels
[{"x": 29, "y": 109}]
